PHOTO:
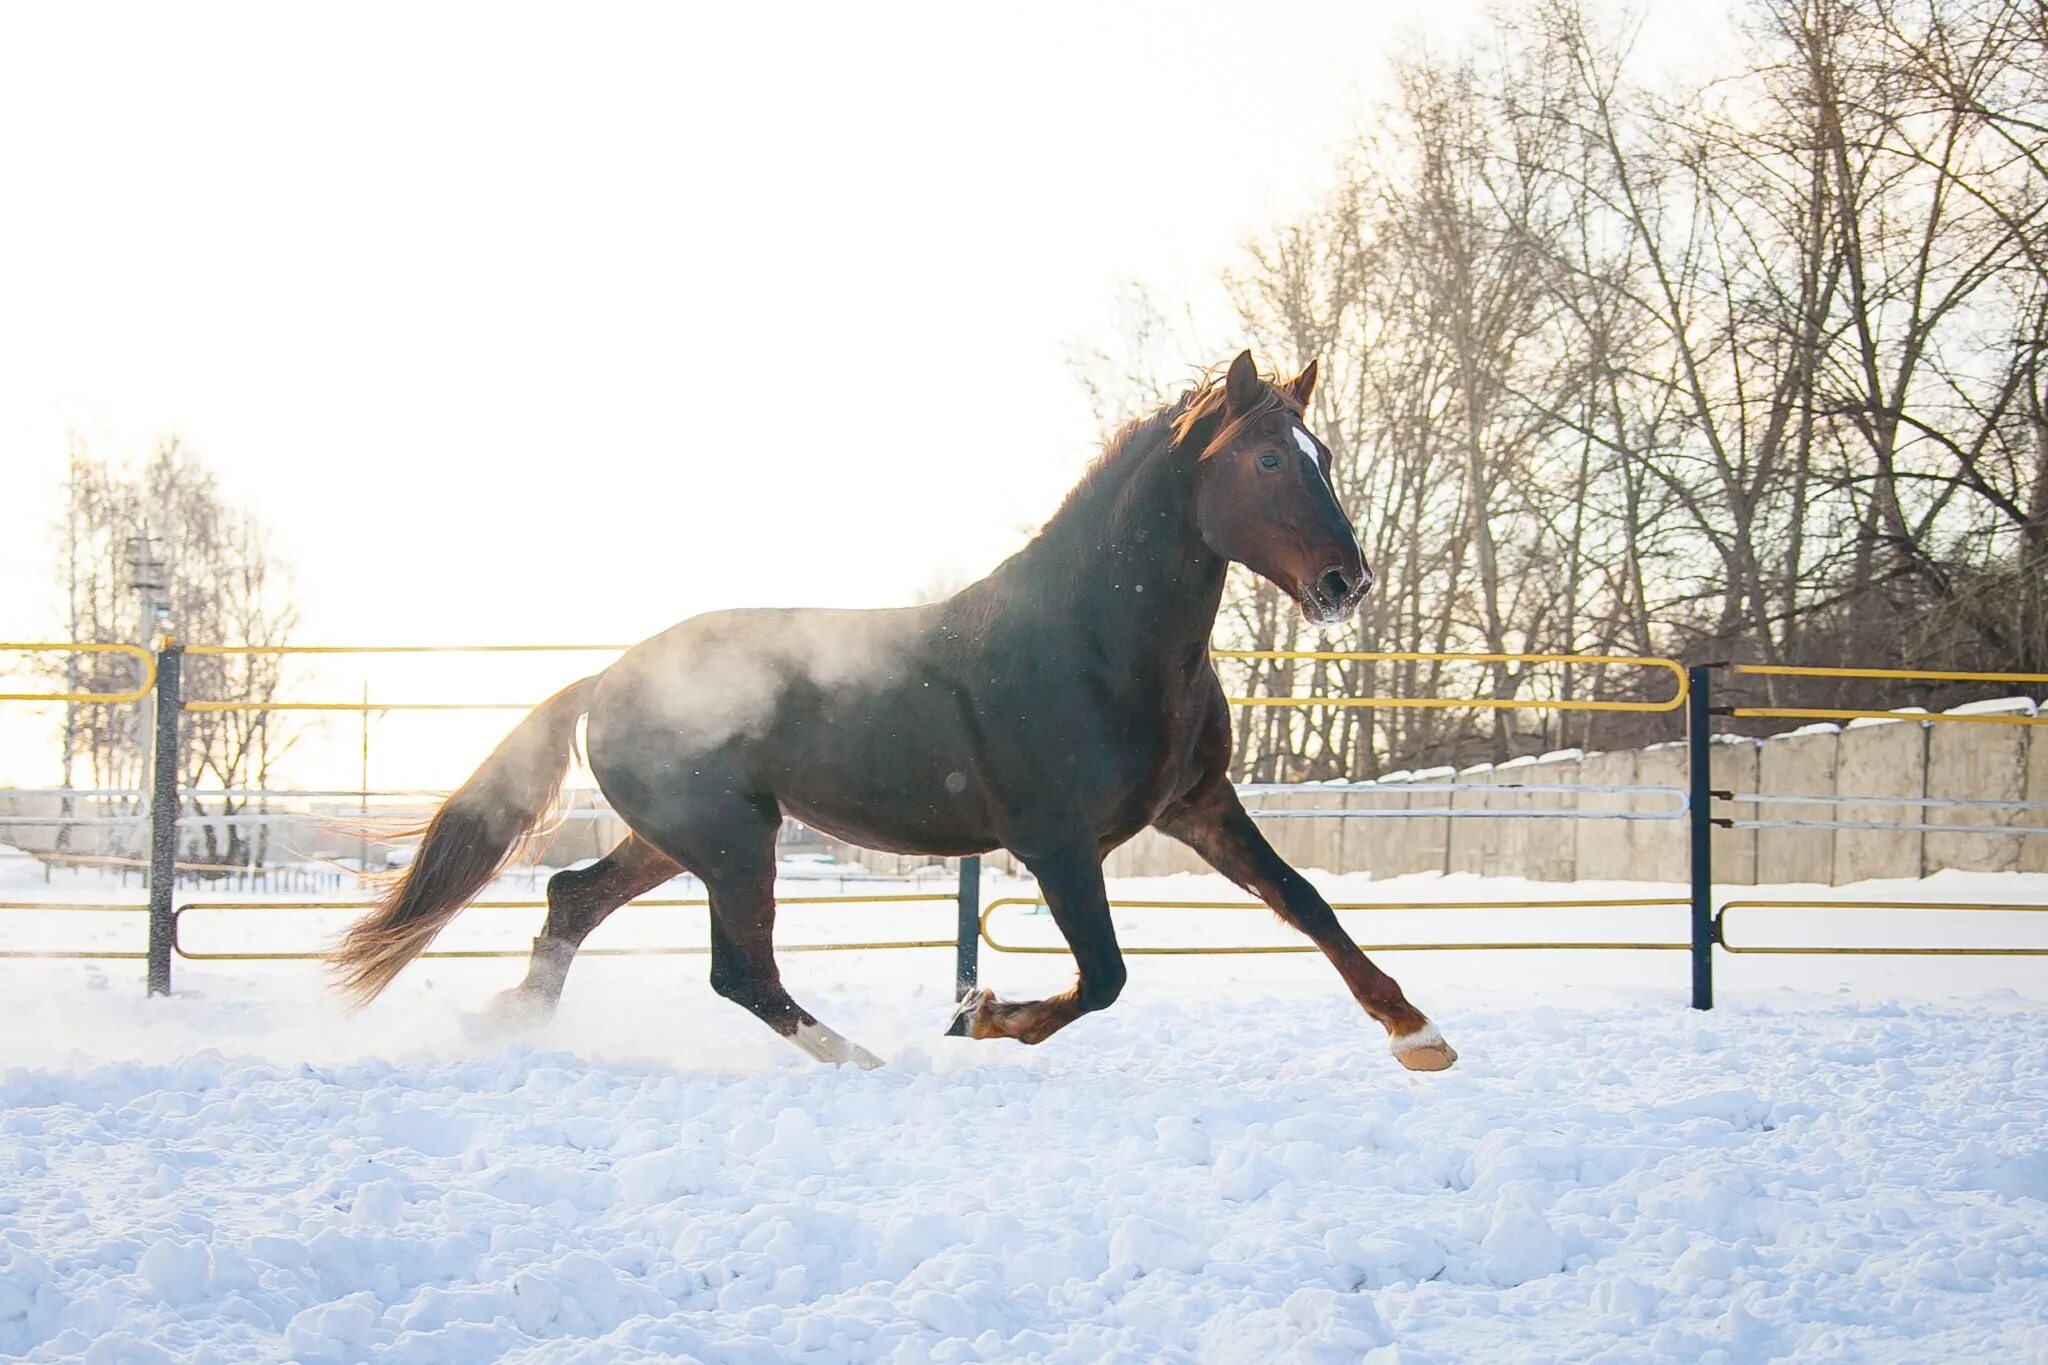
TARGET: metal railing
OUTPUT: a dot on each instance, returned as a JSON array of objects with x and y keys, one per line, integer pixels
[
  {"x": 74, "y": 954},
  {"x": 145, "y": 682},
  {"x": 1710, "y": 922},
  {"x": 1873, "y": 950},
  {"x": 1603, "y": 661},
  {"x": 1695, "y": 804},
  {"x": 1380, "y": 789},
  {"x": 1216, "y": 950},
  {"x": 656, "y": 903},
  {"x": 1887, "y": 674},
  {"x": 1896, "y": 826}
]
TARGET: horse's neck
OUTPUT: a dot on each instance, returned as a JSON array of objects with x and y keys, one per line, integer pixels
[{"x": 1132, "y": 574}]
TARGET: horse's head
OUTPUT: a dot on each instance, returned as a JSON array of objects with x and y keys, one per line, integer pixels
[{"x": 1263, "y": 495}]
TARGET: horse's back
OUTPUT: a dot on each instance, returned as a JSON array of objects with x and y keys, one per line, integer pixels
[
  {"x": 941, "y": 729},
  {"x": 831, "y": 714}
]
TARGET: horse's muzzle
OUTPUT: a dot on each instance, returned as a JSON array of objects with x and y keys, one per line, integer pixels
[{"x": 1332, "y": 595}]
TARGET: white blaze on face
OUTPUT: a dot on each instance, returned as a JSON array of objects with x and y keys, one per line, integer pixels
[{"x": 1308, "y": 448}]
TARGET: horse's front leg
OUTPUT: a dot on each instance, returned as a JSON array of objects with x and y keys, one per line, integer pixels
[
  {"x": 1213, "y": 822},
  {"x": 1072, "y": 886}
]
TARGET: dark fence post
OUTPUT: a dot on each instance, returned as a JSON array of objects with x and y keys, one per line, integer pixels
[
  {"x": 163, "y": 817},
  {"x": 1700, "y": 819},
  {"x": 967, "y": 959}
]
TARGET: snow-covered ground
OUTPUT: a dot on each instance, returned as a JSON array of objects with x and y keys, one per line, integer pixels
[{"x": 1844, "y": 1161}]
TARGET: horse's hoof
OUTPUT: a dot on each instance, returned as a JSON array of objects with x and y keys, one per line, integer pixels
[
  {"x": 974, "y": 1009},
  {"x": 1435, "y": 1057},
  {"x": 1422, "y": 1050}
]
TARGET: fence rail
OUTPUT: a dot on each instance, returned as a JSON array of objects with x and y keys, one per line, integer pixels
[
  {"x": 146, "y": 682},
  {"x": 1884, "y": 674},
  {"x": 1212, "y": 950},
  {"x": 74, "y": 954},
  {"x": 683, "y": 902},
  {"x": 1602, "y": 661},
  {"x": 1864, "y": 950},
  {"x": 160, "y": 679}
]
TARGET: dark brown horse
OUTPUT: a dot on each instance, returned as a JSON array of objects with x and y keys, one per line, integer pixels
[{"x": 1055, "y": 708}]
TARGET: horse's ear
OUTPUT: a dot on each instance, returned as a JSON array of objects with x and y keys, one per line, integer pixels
[
  {"x": 1302, "y": 387},
  {"x": 1241, "y": 387}
]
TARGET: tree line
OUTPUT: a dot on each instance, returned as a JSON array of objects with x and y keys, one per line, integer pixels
[
  {"x": 158, "y": 548},
  {"x": 1747, "y": 371}
]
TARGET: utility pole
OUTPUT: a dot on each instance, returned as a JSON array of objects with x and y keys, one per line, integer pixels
[{"x": 149, "y": 577}]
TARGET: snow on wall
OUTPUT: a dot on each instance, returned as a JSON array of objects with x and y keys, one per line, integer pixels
[{"x": 1882, "y": 758}]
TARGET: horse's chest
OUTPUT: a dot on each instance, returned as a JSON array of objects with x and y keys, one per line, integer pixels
[
  {"x": 1107, "y": 751},
  {"x": 1158, "y": 762}
]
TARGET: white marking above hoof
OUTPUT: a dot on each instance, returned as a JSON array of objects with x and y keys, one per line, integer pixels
[
  {"x": 1422, "y": 1050},
  {"x": 828, "y": 1045},
  {"x": 973, "y": 1001},
  {"x": 1426, "y": 1036}
]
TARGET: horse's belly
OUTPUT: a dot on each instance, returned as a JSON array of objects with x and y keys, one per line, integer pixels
[
  {"x": 892, "y": 831},
  {"x": 888, "y": 774}
]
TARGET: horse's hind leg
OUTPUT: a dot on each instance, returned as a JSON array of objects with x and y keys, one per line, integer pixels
[
  {"x": 578, "y": 901},
  {"x": 732, "y": 849},
  {"x": 743, "y": 970}
]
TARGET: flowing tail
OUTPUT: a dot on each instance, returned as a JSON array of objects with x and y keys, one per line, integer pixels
[{"x": 467, "y": 843}]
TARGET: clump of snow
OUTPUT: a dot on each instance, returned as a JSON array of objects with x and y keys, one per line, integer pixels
[
  {"x": 1520, "y": 1245},
  {"x": 1143, "y": 1245},
  {"x": 1996, "y": 706},
  {"x": 176, "y": 1269},
  {"x": 1899, "y": 715}
]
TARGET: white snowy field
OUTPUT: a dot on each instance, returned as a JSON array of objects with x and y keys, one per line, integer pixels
[{"x": 1845, "y": 1160}]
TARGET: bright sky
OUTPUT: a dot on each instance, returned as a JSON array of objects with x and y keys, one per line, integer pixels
[{"x": 523, "y": 324}]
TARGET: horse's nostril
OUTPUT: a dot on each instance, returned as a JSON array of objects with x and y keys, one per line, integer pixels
[{"x": 1335, "y": 585}]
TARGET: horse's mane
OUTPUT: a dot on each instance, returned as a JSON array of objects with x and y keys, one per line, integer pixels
[
  {"x": 1115, "y": 486},
  {"x": 1131, "y": 447},
  {"x": 1136, "y": 444}
]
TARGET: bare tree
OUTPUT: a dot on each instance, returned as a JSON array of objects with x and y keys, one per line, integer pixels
[
  {"x": 1747, "y": 370},
  {"x": 223, "y": 585}
]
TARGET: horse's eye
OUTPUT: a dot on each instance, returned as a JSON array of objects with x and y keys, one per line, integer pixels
[{"x": 1269, "y": 460}]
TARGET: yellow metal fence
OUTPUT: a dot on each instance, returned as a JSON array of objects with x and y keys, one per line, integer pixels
[
  {"x": 1871, "y": 950},
  {"x": 1220, "y": 950},
  {"x": 145, "y": 674},
  {"x": 682, "y": 950},
  {"x": 1600, "y": 661},
  {"x": 1886, "y": 674},
  {"x": 1680, "y": 694},
  {"x": 191, "y": 908}
]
